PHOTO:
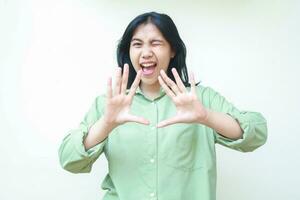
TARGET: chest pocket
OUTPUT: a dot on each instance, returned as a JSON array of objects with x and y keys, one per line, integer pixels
[{"x": 180, "y": 147}]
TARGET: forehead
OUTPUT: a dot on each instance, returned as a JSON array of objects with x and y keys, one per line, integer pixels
[{"x": 148, "y": 30}]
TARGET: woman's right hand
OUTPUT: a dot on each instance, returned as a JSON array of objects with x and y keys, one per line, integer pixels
[{"x": 117, "y": 110}]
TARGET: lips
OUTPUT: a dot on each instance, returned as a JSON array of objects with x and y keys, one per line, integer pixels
[{"x": 148, "y": 68}]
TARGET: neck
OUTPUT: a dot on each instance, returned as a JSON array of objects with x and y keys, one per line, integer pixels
[{"x": 151, "y": 91}]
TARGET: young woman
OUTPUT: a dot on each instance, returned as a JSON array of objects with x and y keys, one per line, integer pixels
[{"x": 158, "y": 128}]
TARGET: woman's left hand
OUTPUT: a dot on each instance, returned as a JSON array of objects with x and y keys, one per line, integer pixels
[{"x": 189, "y": 108}]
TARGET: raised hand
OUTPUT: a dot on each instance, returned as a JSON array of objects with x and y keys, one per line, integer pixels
[
  {"x": 188, "y": 108},
  {"x": 118, "y": 102}
]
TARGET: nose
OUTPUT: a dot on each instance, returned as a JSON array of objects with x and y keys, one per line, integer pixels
[{"x": 147, "y": 52}]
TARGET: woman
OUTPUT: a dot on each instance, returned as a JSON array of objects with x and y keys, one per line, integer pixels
[{"x": 157, "y": 130}]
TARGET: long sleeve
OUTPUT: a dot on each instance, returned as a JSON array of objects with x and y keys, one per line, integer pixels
[
  {"x": 253, "y": 124},
  {"x": 72, "y": 154}
]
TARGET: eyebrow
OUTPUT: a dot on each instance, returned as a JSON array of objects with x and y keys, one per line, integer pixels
[
  {"x": 136, "y": 39},
  {"x": 157, "y": 40},
  {"x": 139, "y": 40}
]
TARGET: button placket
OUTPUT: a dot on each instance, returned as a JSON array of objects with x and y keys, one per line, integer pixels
[{"x": 152, "y": 157}]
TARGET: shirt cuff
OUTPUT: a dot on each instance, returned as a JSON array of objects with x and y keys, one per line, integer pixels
[{"x": 254, "y": 132}]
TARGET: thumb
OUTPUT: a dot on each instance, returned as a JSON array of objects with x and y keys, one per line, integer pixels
[
  {"x": 167, "y": 122},
  {"x": 141, "y": 120}
]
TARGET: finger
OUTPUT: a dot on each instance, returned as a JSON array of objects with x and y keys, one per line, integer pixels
[
  {"x": 169, "y": 82},
  {"x": 135, "y": 84},
  {"x": 109, "y": 88},
  {"x": 124, "y": 79},
  {"x": 168, "y": 122},
  {"x": 141, "y": 120},
  {"x": 168, "y": 91},
  {"x": 178, "y": 80},
  {"x": 192, "y": 81},
  {"x": 118, "y": 81}
]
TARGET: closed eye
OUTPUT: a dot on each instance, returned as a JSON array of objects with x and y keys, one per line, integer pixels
[
  {"x": 136, "y": 44},
  {"x": 156, "y": 43}
]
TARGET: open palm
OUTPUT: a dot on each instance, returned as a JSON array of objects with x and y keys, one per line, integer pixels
[
  {"x": 118, "y": 102},
  {"x": 188, "y": 108}
]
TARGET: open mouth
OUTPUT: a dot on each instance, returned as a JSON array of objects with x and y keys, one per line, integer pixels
[{"x": 148, "y": 68}]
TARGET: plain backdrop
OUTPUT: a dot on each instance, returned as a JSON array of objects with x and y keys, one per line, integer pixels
[{"x": 55, "y": 58}]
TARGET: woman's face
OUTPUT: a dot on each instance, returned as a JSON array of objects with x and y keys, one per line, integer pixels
[{"x": 149, "y": 51}]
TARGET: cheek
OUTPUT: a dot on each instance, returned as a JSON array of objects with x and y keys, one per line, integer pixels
[
  {"x": 163, "y": 54},
  {"x": 133, "y": 55},
  {"x": 134, "y": 59},
  {"x": 130, "y": 54},
  {"x": 165, "y": 58}
]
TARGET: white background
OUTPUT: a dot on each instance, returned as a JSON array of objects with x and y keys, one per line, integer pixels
[{"x": 55, "y": 58}]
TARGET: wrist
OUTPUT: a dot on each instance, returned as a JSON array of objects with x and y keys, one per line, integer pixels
[
  {"x": 204, "y": 117},
  {"x": 108, "y": 123}
]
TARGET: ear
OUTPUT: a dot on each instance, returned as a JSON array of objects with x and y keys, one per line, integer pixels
[{"x": 173, "y": 54}]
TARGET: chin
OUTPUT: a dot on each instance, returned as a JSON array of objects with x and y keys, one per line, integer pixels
[{"x": 149, "y": 82}]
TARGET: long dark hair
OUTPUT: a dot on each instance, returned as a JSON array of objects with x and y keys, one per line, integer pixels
[{"x": 168, "y": 29}]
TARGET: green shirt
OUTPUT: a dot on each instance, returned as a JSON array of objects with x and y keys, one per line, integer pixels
[{"x": 177, "y": 162}]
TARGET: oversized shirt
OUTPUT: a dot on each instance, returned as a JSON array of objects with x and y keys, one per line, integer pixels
[{"x": 176, "y": 162}]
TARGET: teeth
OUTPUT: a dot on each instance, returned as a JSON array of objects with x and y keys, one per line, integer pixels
[{"x": 148, "y": 64}]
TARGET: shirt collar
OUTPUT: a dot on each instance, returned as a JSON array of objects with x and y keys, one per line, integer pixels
[{"x": 140, "y": 92}]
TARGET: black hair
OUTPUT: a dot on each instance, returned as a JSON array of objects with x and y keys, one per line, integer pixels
[{"x": 168, "y": 29}]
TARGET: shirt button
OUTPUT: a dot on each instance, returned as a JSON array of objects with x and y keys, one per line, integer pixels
[
  {"x": 152, "y": 194},
  {"x": 152, "y": 160},
  {"x": 152, "y": 127}
]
